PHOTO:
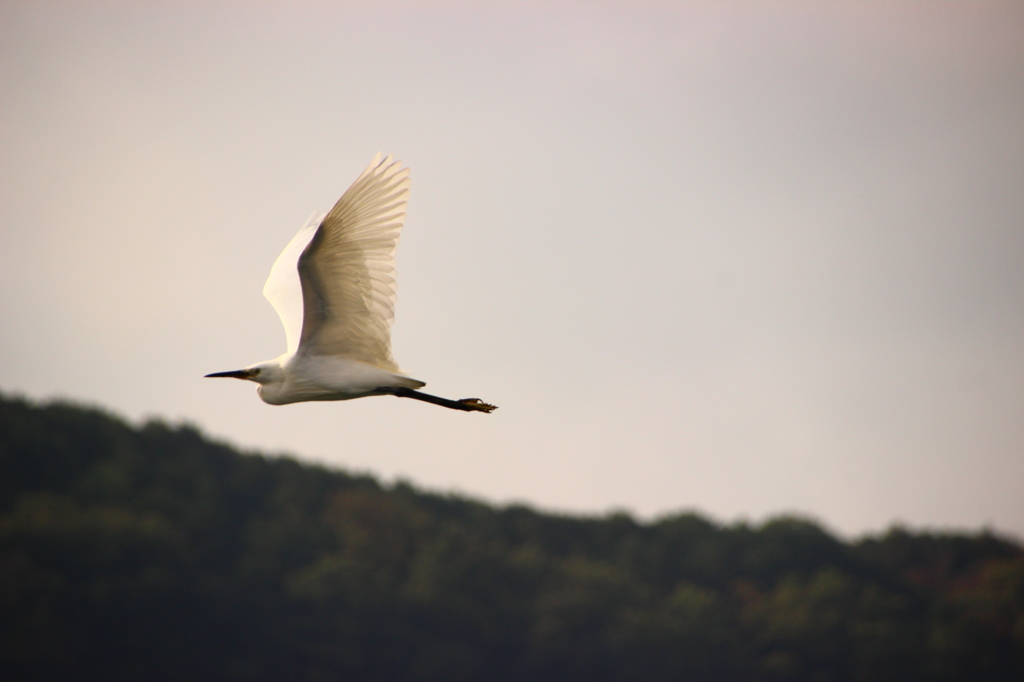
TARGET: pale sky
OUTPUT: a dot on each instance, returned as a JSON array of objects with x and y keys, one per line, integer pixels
[{"x": 742, "y": 258}]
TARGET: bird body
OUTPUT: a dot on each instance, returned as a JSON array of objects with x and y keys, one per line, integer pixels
[
  {"x": 333, "y": 287},
  {"x": 294, "y": 378}
]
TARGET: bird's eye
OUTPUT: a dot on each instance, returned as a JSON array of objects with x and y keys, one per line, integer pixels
[{"x": 256, "y": 372}]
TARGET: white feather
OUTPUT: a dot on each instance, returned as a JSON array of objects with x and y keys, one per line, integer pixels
[
  {"x": 283, "y": 288},
  {"x": 347, "y": 269}
]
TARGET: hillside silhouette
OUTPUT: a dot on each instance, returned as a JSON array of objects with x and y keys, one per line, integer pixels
[{"x": 153, "y": 553}]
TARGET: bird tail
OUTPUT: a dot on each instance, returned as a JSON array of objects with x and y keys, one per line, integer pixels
[{"x": 409, "y": 382}]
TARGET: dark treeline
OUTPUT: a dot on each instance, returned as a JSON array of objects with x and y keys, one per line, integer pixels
[{"x": 154, "y": 554}]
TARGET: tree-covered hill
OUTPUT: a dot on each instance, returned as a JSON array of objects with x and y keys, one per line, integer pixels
[{"x": 153, "y": 553}]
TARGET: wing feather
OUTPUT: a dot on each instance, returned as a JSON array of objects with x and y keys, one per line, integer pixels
[
  {"x": 347, "y": 269},
  {"x": 283, "y": 289}
]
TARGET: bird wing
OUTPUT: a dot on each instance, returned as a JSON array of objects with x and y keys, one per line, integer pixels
[
  {"x": 283, "y": 288},
  {"x": 347, "y": 269}
]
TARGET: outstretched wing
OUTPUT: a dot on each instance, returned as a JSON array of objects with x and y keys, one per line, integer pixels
[
  {"x": 347, "y": 269},
  {"x": 283, "y": 289}
]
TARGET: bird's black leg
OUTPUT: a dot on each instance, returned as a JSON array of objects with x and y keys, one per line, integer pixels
[{"x": 466, "y": 404}]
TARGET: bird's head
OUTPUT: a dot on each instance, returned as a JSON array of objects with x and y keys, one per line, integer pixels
[{"x": 262, "y": 373}]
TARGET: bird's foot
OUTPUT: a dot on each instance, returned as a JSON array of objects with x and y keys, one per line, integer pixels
[{"x": 475, "y": 404}]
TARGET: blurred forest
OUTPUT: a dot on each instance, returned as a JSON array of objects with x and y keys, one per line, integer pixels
[{"x": 152, "y": 553}]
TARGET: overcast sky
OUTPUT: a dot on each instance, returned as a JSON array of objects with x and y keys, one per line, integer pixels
[{"x": 744, "y": 258}]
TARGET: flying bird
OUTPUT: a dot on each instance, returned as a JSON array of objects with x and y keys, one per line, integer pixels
[{"x": 333, "y": 287}]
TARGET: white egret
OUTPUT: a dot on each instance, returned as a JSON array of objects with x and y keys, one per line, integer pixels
[{"x": 333, "y": 287}]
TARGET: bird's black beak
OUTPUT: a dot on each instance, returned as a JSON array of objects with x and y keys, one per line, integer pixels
[{"x": 237, "y": 374}]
